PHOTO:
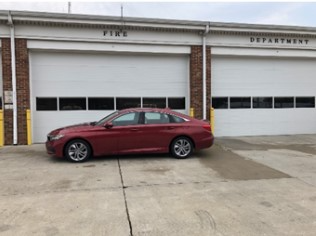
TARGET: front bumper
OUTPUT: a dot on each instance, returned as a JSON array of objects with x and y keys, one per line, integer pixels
[
  {"x": 54, "y": 148},
  {"x": 50, "y": 149}
]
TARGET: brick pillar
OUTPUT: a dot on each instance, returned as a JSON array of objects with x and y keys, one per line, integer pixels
[
  {"x": 208, "y": 82},
  {"x": 7, "y": 86},
  {"x": 23, "y": 88},
  {"x": 196, "y": 81}
]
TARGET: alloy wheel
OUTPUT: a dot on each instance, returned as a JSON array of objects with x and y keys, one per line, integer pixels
[
  {"x": 182, "y": 147},
  {"x": 78, "y": 151}
]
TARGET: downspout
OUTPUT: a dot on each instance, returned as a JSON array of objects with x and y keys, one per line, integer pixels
[
  {"x": 207, "y": 29},
  {"x": 13, "y": 70}
]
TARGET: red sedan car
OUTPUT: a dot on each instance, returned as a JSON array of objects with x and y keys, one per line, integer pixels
[{"x": 131, "y": 131}]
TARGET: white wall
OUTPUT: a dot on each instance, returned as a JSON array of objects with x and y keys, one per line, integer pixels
[
  {"x": 97, "y": 35},
  {"x": 106, "y": 47},
  {"x": 244, "y": 41}
]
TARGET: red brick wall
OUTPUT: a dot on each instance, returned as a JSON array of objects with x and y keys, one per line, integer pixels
[
  {"x": 7, "y": 86},
  {"x": 196, "y": 80},
  {"x": 23, "y": 88}
]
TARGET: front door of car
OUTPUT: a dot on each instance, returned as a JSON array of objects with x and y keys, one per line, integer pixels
[{"x": 129, "y": 132}]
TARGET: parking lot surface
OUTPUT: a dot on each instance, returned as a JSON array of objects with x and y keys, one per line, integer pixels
[{"x": 240, "y": 186}]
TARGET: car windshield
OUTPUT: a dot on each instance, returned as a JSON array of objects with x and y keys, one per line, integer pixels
[{"x": 107, "y": 118}]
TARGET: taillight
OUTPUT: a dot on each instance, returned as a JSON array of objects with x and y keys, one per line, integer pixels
[{"x": 207, "y": 127}]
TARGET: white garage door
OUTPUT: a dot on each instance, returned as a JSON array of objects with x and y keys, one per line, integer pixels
[
  {"x": 263, "y": 96},
  {"x": 69, "y": 88}
]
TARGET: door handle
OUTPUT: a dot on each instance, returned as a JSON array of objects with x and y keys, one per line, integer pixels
[
  {"x": 171, "y": 127},
  {"x": 134, "y": 129}
]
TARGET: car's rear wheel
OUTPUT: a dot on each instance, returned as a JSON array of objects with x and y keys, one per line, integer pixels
[
  {"x": 78, "y": 151},
  {"x": 181, "y": 147}
]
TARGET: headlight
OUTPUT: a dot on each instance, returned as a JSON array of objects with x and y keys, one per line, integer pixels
[{"x": 55, "y": 137}]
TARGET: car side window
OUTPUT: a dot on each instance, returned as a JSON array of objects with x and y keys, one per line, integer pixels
[
  {"x": 126, "y": 119},
  {"x": 176, "y": 119},
  {"x": 156, "y": 118}
]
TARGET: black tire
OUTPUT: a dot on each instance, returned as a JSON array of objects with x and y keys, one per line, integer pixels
[
  {"x": 181, "y": 147},
  {"x": 78, "y": 151}
]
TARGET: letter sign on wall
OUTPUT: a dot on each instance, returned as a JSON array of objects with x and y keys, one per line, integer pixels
[
  {"x": 115, "y": 33},
  {"x": 292, "y": 41}
]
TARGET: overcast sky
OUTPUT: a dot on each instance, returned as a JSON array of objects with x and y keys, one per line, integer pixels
[{"x": 280, "y": 13}]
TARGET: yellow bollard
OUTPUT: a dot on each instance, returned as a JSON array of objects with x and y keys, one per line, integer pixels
[
  {"x": 1, "y": 129},
  {"x": 192, "y": 112},
  {"x": 28, "y": 125},
  {"x": 212, "y": 115}
]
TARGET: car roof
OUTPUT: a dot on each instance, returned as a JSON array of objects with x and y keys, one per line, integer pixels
[
  {"x": 137, "y": 109},
  {"x": 164, "y": 110}
]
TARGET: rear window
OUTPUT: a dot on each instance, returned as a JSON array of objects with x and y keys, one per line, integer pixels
[{"x": 176, "y": 119}]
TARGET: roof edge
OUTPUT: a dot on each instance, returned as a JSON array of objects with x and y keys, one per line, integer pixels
[
  {"x": 98, "y": 19},
  {"x": 263, "y": 27},
  {"x": 83, "y": 19}
]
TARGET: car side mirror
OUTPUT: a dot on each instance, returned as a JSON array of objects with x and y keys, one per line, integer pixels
[{"x": 108, "y": 125}]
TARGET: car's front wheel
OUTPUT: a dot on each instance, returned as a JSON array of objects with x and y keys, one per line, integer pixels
[
  {"x": 181, "y": 147},
  {"x": 78, "y": 151}
]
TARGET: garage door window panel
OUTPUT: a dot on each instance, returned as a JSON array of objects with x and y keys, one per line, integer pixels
[
  {"x": 262, "y": 102},
  {"x": 123, "y": 103},
  {"x": 176, "y": 103},
  {"x": 154, "y": 102},
  {"x": 305, "y": 102},
  {"x": 69, "y": 104},
  {"x": 46, "y": 104},
  {"x": 220, "y": 102},
  {"x": 101, "y": 103},
  {"x": 240, "y": 102},
  {"x": 284, "y": 102}
]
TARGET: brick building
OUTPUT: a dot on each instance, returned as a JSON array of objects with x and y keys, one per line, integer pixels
[{"x": 68, "y": 68}]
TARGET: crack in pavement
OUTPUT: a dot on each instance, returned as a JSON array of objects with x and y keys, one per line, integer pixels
[{"x": 125, "y": 201}]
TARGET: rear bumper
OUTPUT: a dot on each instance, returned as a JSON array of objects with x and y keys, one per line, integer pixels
[{"x": 205, "y": 142}]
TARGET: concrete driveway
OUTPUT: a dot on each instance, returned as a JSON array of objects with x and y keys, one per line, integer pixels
[{"x": 241, "y": 186}]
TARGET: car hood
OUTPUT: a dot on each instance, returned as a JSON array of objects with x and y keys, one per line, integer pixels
[{"x": 72, "y": 128}]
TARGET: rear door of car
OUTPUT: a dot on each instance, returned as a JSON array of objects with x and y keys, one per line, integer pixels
[{"x": 157, "y": 132}]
